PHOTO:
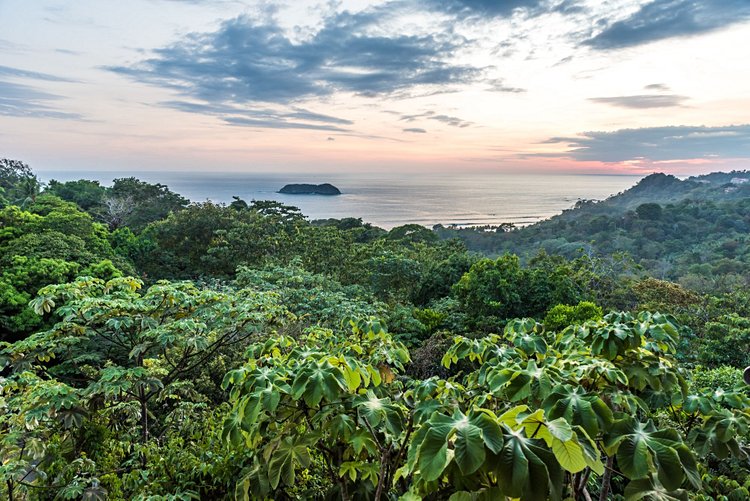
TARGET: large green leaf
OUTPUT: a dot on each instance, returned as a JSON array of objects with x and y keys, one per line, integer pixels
[
  {"x": 579, "y": 408},
  {"x": 433, "y": 455},
  {"x": 285, "y": 458},
  {"x": 526, "y": 470},
  {"x": 641, "y": 450},
  {"x": 469, "y": 447},
  {"x": 648, "y": 489},
  {"x": 467, "y": 439},
  {"x": 569, "y": 454},
  {"x": 487, "y": 422},
  {"x": 318, "y": 381}
]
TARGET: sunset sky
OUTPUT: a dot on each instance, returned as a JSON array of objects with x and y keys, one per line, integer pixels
[{"x": 613, "y": 86}]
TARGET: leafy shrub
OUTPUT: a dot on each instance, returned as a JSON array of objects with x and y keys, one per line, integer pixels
[
  {"x": 563, "y": 315},
  {"x": 725, "y": 341},
  {"x": 723, "y": 377}
]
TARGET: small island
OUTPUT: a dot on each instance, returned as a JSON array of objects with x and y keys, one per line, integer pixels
[{"x": 310, "y": 189}]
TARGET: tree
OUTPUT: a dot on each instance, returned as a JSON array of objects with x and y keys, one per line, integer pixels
[
  {"x": 495, "y": 290},
  {"x": 121, "y": 359},
  {"x": 213, "y": 240},
  {"x": 182, "y": 239},
  {"x": 562, "y": 315},
  {"x": 649, "y": 211},
  {"x": 18, "y": 184},
  {"x": 116, "y": 211},
  {"x": 337, "y": 392},
  {"x": 725, "y": 341},
  {"x": 138, "y": 203},
  {"x": 88, "y": 195},
  {"x": 51, "y": 242},
  {"x": 412, "y": 233},
  {"x": 535, "y": 415}
]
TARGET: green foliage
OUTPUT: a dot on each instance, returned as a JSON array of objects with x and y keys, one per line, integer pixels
[
  {"x": 563, "y": 315},
  {"x": 324, "y": 390},
  {"x": 125, "y": 360},
  {"x": 88, "y": 195},
  {"x": 213, "y": 239},
  {"x": 725, "y": 341},
  {"x": 18, "y": 184},
  {"x": 431, "y": 319},
  {"x": 694, "y": 234},
  {"x": 650, "y": 211},
  {"x": 246, "y": 383},
  {"x": 393, "y": 275},
  {"x": 710, "y": 380},
  {"x": 665, "y": 296},
  {"x": 495, "y": 290},
  {"x": 315, "y": 299},
  {"x": 51, "y": 242},
  {"x": 134, "y": 203},
  {"x": 412, "y": 233},
  {"x": 528, "y": 412},
  {"x": 602, "y": 379}
]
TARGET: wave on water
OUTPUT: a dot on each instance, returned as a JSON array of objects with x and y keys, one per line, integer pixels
[{"x": 389, "y": 200}]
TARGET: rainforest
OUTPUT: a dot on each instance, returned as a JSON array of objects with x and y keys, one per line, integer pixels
[{"x": 157, "y": 349}]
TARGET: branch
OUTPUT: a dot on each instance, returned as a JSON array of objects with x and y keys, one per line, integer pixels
[
  {"x": 382, "y": 473},
  {"x": 604, "y": 493},
  {"x": 374, "y": 436}
]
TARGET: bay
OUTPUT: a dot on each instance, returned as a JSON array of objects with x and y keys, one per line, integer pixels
[{"x": 389, "y": 200}]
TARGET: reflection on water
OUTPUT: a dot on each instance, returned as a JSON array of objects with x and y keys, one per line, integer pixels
[{"x": 390, "y": 200}]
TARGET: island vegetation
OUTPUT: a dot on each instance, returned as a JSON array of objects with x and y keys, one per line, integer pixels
[
  {"x": 310, "y": 189},
  {"x": 157, "y": 349}
]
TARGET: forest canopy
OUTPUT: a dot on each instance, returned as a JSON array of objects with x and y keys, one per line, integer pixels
[{"x": 154, "y": 348}]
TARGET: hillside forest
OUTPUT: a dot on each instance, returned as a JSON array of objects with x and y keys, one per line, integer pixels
[{"x": 154, "y": 348}]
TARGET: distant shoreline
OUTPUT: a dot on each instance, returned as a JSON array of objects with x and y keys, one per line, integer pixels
[{"x": 388, "y": 201}]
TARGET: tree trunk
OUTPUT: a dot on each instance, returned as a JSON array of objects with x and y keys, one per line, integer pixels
[
  {"x": 605, "y": 479},
  {"x": 383, "y": 473},
  {"x": 144, "y": 418},
  {"x": 342, "y": 481}
]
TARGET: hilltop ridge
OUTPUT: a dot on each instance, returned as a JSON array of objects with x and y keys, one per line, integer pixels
[{"x": 694, "y": 231}]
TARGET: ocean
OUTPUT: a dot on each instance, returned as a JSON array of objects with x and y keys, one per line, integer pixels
[{"x": 389, "y": 200}]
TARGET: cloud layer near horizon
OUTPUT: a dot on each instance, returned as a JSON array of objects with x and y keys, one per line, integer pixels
[{"x": 659, "y": 143}]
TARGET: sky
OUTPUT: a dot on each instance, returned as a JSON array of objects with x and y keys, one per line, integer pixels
[{"x": 568, "y": 86}]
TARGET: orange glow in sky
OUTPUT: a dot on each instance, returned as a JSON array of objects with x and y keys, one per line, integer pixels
[{"x": 530, "y": 85}]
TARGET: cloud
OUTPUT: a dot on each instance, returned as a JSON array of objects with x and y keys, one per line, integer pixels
[
  {"x": 662, "y": 19},
  {"x": 272, "y": 123},
  {"x": 490, "y": 7},
  {"x": 659, "y": 143},
  {"x": 431, "y": 115},
  {"x": 657, "y": 87},
  {"x": 255, "y": 61},
  {"x": 317, "y": 117},
  {"x": 18, "y": 100},
  {"x": 502, "y": 8},
  {"x": 498, "y": 85},
  {"x": 415, "y": 130},
  {"x": 251, "y": 72},
  {"x": 295, "y": 118},
  {"x": 8, "y": 46},
  {"x": 453, "y": 121},
  {"x": 69, "y": 52},
  {"x": 642, "y": 101},
  {"x": 7, "y": 71}
]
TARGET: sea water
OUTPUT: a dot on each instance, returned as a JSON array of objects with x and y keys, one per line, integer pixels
[{"x": 389, "y": 200}]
